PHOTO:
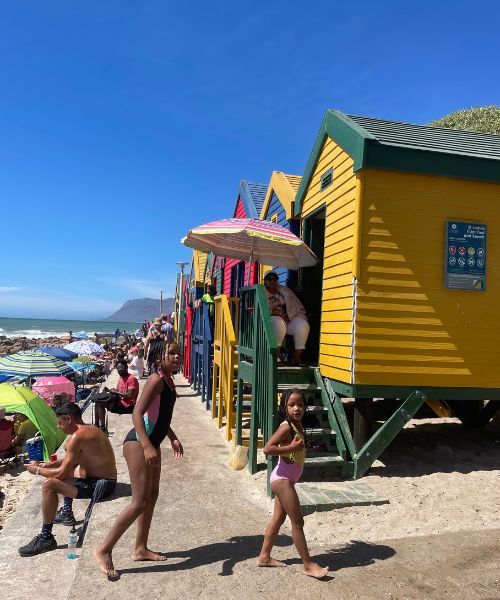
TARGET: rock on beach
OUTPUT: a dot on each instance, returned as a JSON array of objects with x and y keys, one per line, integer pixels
[{"x": 13, "y": 345}]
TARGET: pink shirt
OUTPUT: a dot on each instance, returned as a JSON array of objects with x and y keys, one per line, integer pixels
[{"x": 124, "y": 385}]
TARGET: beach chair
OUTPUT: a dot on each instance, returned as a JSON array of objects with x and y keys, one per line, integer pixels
[{"x": 7, "y": 452}]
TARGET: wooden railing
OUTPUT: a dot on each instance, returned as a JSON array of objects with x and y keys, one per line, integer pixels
[
  {"x": 225, "y": 340},
  {"x": 257, "y": 368},
  {"x": 181, "y": 331},
  {"x": 188, "y": 325},
  {"x": 201, "y": 353}
]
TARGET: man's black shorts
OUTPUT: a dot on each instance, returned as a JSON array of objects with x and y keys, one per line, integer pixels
[
  {"x": 112, "y": 403},
  {"x": 118, "y": 408},
  {"x": 86, "y": 487}
]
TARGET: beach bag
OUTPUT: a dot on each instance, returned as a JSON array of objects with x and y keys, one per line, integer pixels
[
  {"x": 82, "y": 395},
  {"x": 239, "y": 458},
  {"x": 34, "y": 447}
]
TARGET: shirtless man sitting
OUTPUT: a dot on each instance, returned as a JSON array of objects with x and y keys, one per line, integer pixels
[{"x": 89, "y": 459}]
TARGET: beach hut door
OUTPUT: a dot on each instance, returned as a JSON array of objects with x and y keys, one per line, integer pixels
[{"x": 311, "y": 279}]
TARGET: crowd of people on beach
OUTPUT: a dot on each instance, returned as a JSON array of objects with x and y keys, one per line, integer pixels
[{"x": 88, "y": 467}]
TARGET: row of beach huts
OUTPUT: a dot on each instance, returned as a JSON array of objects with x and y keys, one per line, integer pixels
[{"x": 403, "y": 303}]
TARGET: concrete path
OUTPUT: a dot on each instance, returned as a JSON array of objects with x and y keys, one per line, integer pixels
[{"x": 209, "y": 522}]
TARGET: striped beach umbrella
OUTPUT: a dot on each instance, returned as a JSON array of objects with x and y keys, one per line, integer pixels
[
  {"x": 252, "y": 240},
  {"x": 31, "y": 363}
]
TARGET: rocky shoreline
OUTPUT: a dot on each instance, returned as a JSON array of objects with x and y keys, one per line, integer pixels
[{"x": 13, "y": 345}]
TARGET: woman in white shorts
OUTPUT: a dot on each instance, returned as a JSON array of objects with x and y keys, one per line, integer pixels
[{"x": 288, "y": 315}]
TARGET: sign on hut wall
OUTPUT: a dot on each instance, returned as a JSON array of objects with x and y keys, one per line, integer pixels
[{"x": 465, "y": 256}]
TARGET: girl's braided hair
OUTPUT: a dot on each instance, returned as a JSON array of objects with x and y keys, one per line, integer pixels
[
  {"x": 282, "y": 410},
  {"x": 157, "y": 349}
]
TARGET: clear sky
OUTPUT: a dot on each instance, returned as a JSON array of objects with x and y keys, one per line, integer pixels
[{"x": 124, "y": 124}]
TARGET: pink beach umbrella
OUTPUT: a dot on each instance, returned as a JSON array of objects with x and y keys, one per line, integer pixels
[
  {"x": 46, "y": 387},
  {"x": 252, "y": 240}
]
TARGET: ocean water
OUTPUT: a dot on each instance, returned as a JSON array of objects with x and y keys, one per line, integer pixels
[{"x": 42, "y": 328}]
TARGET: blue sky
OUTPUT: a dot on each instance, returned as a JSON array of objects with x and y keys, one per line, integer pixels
[{"x": 124, "y": 124}]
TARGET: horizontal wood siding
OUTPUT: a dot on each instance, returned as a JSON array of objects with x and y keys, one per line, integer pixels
[
  {"x": 254, "y": 273},
  {"x": 410, "y": 330},
  {"x": 337, "y": 296},
  {"x": 218, "y": 275},
  {"x": 199, "y": 261},
  {"x": 286, "y": 277}
]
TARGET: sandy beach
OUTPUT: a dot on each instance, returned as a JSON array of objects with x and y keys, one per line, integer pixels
[
  {"x": 436, "y": 536},
  {"x": 15, "y": 483},
  {"x": 437, "y": 477}
]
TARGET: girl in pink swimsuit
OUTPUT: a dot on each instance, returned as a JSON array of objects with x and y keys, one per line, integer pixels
[
  {"x": 288, "y": 443},
  {"x": 141, "y": 448}
]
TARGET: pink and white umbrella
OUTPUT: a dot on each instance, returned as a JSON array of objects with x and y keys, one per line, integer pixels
[
  {"x": 252, "y": 240},
  {"x": 46, "y": 387}
]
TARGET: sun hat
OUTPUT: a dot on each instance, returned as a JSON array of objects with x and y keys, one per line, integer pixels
[
  {"x": 157, "y": 321},
  {"x": 270, "y": 272}
]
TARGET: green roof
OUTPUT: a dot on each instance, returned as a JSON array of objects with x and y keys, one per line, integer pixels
[{"x": 395, "y": 146}]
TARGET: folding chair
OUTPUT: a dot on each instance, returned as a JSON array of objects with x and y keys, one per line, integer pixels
[{"x": 7, "y": 453}]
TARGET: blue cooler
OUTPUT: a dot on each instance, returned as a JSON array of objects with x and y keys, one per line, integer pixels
[{"x": 34, "y": 446}]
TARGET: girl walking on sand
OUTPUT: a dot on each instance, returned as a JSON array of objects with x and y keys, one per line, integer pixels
[
  {"x": 288, "y": 443},
  {"x": 141, "y": 448}
]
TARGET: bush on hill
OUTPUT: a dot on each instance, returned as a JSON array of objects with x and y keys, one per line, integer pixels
[{"x": 485, "y": 119}]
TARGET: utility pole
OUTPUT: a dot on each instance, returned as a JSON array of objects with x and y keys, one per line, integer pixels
[
  {"x": 180, "y": 304},
  {"x": 161, "y": 302}
]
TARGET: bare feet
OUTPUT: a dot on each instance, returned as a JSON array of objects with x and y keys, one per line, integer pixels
[
  {"x": 269, "y": 562},
  {"x": 314, "y": 570},
  {"x": 147, "y": 555},
  {"x": 105, "y": 562}
]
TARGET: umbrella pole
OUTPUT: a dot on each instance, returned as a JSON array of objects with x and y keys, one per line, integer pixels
[{"x": 250, "y": 262}]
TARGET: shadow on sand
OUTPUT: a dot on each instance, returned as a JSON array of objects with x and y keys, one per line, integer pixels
[
  {"x": 240, "y": 549},
  {"x": 437, "y": 447}
]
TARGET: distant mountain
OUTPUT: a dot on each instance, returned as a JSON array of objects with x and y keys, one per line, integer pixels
[{"x": 136, "y": 311}]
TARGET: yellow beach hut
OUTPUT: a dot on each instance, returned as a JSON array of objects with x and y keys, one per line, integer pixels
[{"x": 404, "y": 219}]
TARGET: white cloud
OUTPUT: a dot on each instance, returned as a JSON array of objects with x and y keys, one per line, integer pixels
[{"x": 6, "y": 289}]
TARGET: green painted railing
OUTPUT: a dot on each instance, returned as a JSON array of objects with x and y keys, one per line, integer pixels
[
  {"x": 364, "y": 458},
  {"x": 256, "y": 368}
]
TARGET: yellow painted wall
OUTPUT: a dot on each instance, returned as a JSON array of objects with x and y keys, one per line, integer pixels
[
  {"x": 410, "y": 330},
  {"x": 337, "y": 299},
  {"x": 199, "y": 260}
]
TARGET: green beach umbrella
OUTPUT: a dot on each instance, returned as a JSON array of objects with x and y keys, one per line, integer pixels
[
  {"x": 31, "y": 363},
  {"x": 20, "y": 399}
]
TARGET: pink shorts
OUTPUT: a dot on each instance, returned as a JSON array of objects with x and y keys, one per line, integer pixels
[{"x": 289, "y": 471}]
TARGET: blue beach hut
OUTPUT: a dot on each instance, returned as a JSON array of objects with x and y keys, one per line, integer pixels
[{"x": 278, "y": 207}]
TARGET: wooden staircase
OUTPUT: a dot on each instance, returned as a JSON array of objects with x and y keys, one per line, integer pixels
[
  {"x": 326, "y": 453},
  {"x": 332, "y": 450},
  {"x": 325, "y": 450}
]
